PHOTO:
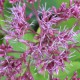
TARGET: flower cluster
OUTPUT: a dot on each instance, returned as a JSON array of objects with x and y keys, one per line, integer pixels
[
  {"x": 10, "y": 67},
  {"x": 4, "y": 49},
  {"x": 51, "y": 47},
  {"x": 18, "y": 25},
  {"x": 65, "y": 13},
  {"x": 54, "y": 47}
]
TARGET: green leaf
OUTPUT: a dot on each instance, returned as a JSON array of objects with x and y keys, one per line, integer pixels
[
  {"x": 77, "y": 37},
  {"x": 70, "y": 69},
  {"x": 38, "y": 76}
]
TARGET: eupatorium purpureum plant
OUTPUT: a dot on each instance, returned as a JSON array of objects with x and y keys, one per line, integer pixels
[{"x": 51, "y": 46}]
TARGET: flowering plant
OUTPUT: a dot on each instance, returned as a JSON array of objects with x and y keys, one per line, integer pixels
[{"x": 52, "y": 46}]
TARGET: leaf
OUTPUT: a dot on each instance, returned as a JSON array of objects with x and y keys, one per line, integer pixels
[
  {"x": 38, "y": 76},
  {"x": 70, "y": 69},
  {"x": 28, "y": 36},
  {"x": 77, "y": 37}
]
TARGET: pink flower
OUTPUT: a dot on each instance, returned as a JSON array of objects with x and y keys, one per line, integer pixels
[
  {"x": 48, "y": 18},
  {"x": 62, "y": 12},
  {"x": 77, "y": 2},
  {"x": 10, "y": 67},
  {"x": 31, "y": 1},
  {"x": 18, "y": 25},
  {"x": 4, "y": 49},
  {"x": 75, "y": 11},
  {"x": 13, "y": 1},
  {"x": 55, "y": 46},
  {"x": 50, "y": 48},
  {"x": 74, "y": 77}
]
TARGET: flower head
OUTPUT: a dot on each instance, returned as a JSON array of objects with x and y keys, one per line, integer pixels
[
  {"x": 47, "y": 18},
  {"x": 4, "y": 49},
  {"x": 18, "y": 25},
  {"x": 10, "y": 67},
  {"x": 77, "y": 2}
]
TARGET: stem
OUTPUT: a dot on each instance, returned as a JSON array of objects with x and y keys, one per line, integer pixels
[
  {"x": 3, "y": 15},
  {"x": 36, "y": 14},
  {"x": 50, "y": 76},
  {"x": 16, "y": 51},
  {"x": 3, "y": 30},
  {"x": 33, "y": 31},
  {"x": 77, "y": 50},
  {"x": 34, "y": 11},
  {"x": 39, "y": 3}
]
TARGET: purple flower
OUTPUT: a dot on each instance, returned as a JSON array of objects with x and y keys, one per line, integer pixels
[
  {"x": 18, "y": 26},
  {"x": 53, "y": 49},
  {"x": 62, "y": 12},
  {"x": 77, "y": 2},
  {"x": 50, "y": 48},
  {"x": 10, "y": 67},
  {"x": 4, "y": 49},
  {"x": 47, "y": 18},
  {"x": 75, "y": 11}
]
